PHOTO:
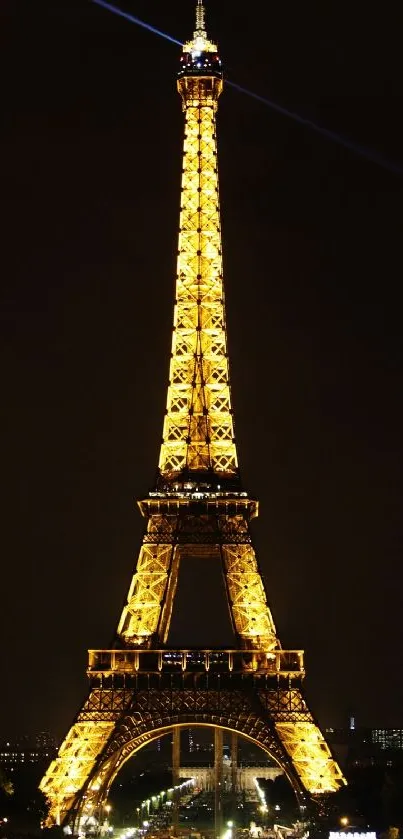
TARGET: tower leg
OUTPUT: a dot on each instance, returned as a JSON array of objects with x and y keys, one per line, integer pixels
[
  {"x": 218, "y": 755},
  {"x": 176, "y": 758}
]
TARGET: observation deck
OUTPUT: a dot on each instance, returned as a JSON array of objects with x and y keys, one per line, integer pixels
[
  {"x": 198, "y": 501},
  {"x": 200, "y": 63},
  {"x": 271, "y": 663}
]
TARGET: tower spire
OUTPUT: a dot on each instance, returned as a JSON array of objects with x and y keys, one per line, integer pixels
[
  {"x": 200, "y": 19},
  {"x": 200, "y": 42},
  {"x": 198, "y": 444}
]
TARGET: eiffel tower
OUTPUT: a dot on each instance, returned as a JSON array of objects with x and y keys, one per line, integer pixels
[{"x": 141, "y": 689}]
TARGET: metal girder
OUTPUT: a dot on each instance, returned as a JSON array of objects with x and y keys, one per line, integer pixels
[
  {"x": 149, "y": 602},
  {"x": 68, "y": 773},
  {"x": 146, "y": 617},
  {"x": 311, "y": 756},
  {"x": 251, "y": 615},
  {"x": 198, "y": 431}
]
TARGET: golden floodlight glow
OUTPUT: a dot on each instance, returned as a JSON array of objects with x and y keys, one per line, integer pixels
[
  {"x": 198, "y": 429},
  {"x": 67, "y": 774},
  {"x": 311, "y": 756},
  {"x": 198, "y": 508}
]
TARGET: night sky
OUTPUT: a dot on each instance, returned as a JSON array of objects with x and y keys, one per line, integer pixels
[{"x": 90, "y": 172}]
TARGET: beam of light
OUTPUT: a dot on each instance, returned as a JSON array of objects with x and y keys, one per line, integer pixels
[
  {"x": 137, "y": 20},
  {"x": 368, "y": 154}
]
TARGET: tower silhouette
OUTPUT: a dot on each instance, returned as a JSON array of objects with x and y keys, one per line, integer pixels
[{"x": 141, "y": 689}]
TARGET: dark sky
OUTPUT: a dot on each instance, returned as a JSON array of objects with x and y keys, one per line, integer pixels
[{"x": 90, "y": 172}]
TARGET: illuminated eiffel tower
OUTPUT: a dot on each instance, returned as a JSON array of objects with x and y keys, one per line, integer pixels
[{"x": 141, "y": 689}]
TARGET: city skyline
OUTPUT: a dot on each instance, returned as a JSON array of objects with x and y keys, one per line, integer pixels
[{"x": 314, "y": 359}]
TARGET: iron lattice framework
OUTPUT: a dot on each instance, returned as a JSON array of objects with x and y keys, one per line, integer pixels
[{"x": 141, "y": 689}]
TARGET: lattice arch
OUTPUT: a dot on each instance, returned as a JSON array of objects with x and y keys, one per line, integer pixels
[{"x": 137, "y": 733}]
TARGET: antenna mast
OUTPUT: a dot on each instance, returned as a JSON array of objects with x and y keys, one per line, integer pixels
[{"x": 200, "y": 18}]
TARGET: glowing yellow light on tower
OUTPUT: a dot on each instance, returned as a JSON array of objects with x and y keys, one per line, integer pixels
[{"x": 198, "y": 466}]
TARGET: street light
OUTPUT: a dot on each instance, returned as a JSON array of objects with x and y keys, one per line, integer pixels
[{"x": 344, "y": 821}]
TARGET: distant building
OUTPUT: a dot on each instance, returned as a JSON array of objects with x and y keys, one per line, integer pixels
[
  {"x": 244, "y": 776},
  {"x": 26, "y": 750},
  {"x": 359, "y": 747},
  {"x": 388, "y": 738}
]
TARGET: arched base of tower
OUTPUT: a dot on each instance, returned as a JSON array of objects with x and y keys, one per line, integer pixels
[{"x": 116, "y": 722}]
